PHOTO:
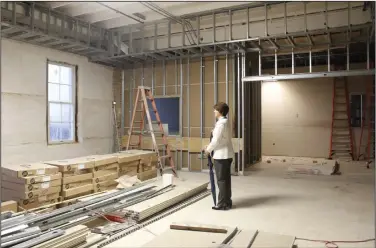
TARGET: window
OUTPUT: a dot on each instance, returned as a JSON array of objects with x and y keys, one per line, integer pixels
[
  {"x": 357, "y": 104},
  {"x": 169, "y": 112},
  {"x": 61, "y": 107}
]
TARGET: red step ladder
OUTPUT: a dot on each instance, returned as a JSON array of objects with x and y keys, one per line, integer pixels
[
  {"x": 341, "y": 141},
  {"x": 141, "y": 107}
]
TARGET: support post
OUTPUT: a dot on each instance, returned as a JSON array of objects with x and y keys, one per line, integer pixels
[
  {"x": 169, "y": 35},
  {"x": 214, "y": 29},
  {"x": 189, "y": 113},
  {"x": 328, "y": 58},
  {"x": 292, "y": 62},
  {"x": 259, "y": 60},
  {"x": 239, "y": 113},
  {"x": 243, "y": 114},
  {"x": 247, "y": 23},
  {"x": 266, "y": 20},
  {"x": 176, "y": 77},
  {"x": 198, "y": 30},
  {"x": 164, "y": 77},
  {"x": 310, "y": 60},
  {"x": 122, "y": 103},
  {"x": 183, "y": 33},
  {"x": 368, "y": 52},
  {"x": 201, "y": 103},
  {"x": 215, "y": 63},
  {"x": 130, "y": 48},
  {"x": 285, "y": 17},
  {"x": 230, "y": 25},
  {"x": 32, "y": 12},
  {"x": 181, "y": 114},
  {"x": 142, "y": 74},
  {"x": 155, "y": 36},
  {"x": 275, "y": 63}
]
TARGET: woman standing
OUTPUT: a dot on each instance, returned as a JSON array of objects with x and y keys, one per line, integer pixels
[{"x": 222, "y": 152}]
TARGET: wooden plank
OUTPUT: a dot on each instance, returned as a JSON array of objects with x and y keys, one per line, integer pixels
[
  {"x": 271, "y": 240},
  {"x": 198, "y": 227}
]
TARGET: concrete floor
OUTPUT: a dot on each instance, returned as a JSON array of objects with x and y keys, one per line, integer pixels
[{"x": 315, "y": 207}]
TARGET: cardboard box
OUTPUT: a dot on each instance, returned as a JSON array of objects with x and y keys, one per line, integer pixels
[
  {"x": 30, "y": 187},
  {"x": 72, "y": 164},
  {"x": 9, "y": 206},
  {"x": 25, "y": 170},
  {"x": 78, "y": 190},
  {"x": 105, "y": 184},
  {"x": 102, "y": 173},
  {"x": 32, "y": 179},
  {"x": 8, "y": 194}
]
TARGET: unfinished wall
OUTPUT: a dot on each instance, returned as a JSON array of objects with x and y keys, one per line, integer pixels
[
  {"x": 297, "y": 115},
  {"x": 170, "y": 83},
  {"x": 24, "y": 85}
]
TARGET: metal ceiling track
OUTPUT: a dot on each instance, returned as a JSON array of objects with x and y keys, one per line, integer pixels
[{"x": 214, "y": 33}]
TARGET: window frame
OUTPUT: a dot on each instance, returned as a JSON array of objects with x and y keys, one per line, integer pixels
[{"x": 73, "y": 103}]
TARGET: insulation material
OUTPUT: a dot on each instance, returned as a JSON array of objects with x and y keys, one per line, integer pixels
[
  {"x": 127, "y": 181},
  {"x": 24, "y": 170},
  {"x": 36, "y": 203},
  {"x": 9, "y": 206},
  {"x": 20, "y": 195}
]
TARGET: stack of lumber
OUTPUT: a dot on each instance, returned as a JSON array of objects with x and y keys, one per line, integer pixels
[
  {"x": 77, "y": 176},
  {"x": 71, "y": 238},
  {"x": 137, "y": 162},
  {"x": 31, "y": 185},
  {"x": 105, "y": 172},
  {"x": 145, "y": 209}
]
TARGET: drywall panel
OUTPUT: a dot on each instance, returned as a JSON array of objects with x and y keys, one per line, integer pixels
[
  {"x": 297, "y": 115},
  {"x": 24, "y": 86}
]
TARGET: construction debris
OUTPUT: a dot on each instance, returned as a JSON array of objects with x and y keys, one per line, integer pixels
[{"x": 325, "y": 167}]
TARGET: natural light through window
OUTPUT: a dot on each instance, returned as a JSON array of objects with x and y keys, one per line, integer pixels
[{"x": 61, "y": 103}]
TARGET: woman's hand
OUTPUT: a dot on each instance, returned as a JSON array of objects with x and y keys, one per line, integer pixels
[{"x": 205, "y": 151}]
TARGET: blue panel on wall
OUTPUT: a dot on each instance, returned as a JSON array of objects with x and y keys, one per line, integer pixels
[{"x": 168, "y": 109}]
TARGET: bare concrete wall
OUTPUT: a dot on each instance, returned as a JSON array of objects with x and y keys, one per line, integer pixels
[
  {"x": 297, "y": 115},
  {"x": 24, "y": 130}
]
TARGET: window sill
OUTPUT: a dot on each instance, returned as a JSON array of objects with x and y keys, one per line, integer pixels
[{"x": 62, "y": 143}]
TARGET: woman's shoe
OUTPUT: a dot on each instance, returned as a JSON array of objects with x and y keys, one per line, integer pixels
[{"x": 220, "y": 208}]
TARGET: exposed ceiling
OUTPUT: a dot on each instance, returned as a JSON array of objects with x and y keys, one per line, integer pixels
[{"x": 118, "y": 14}]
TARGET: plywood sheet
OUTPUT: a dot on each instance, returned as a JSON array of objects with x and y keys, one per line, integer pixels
[
  {"x": 271, "y": 240},
  {"x": 178, "y": 238},
  {"x": 194, "y": 102},
  {"x": 243, "y": 239}
]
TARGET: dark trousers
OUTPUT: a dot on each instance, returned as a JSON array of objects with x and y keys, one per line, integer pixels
[{"x": 222, "y": 169}]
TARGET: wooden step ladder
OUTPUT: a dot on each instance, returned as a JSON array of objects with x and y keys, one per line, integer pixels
[
  {"x": 141, "y": 107},
  {"x": 341, "y": 141}
]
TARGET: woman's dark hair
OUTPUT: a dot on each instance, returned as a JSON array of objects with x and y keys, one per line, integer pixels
[{"x": 222, "y": 108}]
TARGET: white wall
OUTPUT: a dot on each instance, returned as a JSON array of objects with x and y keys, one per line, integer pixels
[{"x": 24, "y": 79}]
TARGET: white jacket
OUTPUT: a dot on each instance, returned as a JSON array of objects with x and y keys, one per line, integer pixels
[{"x": 221, "y": 142}]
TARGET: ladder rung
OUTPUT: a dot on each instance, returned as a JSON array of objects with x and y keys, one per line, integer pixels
[{"x": 163, "y": 157}]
